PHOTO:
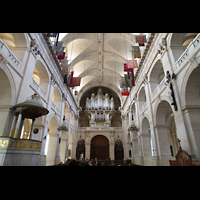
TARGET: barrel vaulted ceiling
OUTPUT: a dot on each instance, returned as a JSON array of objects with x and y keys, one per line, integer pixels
[{"x": 98, "y": 58}]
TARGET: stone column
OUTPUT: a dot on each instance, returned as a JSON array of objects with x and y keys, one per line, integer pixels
[
  {"x": 135, "y": 148},
  {"x": 146, "y": 153},
  {"x": 87, "y": 145},
  {"x": 112, "y": 150},
  {"x": 17, "y": 129},
  {"x": 163, "y": 144},
  {"x": 129, "y": 117},
  {"x": 68, "y": 132},
  {"x": 42, "y": 160},
  {"x": 140, "y": 157},
  {"x": 31, "y": 131},
  {"x": 57, "y": 156},
  {"x": 13, "y": 125}
]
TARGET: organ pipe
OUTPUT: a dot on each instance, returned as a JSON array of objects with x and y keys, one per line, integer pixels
[
  {"x": 92, "y": 101},
  {"x": 100, "y": 102},
  {"x": 100, "y": 107}
]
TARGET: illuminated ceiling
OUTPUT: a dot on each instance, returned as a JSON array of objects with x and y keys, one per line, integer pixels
[{"x": 98, "y": 58}]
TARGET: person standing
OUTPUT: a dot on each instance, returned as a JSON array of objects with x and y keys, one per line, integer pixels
[{"x": 96, "y": 162}]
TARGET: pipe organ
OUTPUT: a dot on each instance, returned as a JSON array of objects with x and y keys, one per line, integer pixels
[{"x": 100, "y": 109}]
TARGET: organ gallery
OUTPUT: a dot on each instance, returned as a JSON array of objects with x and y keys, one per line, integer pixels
[{"x": 100, "y": 109}]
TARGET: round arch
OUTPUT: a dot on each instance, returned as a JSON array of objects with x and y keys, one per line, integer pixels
[
  {"x": 12, "y": 85},
  {"x": 146, "y": 141},
  {"x": 56, "y": 98},
  {"x": 99, "y": 147},
  {"x": 5, "y": 101},
  {"x": 156, "y": 74},
  {"x": 176, "y": 44},
  {"x": 17, "y": 43},
  {"x": 41, "y": 75},
  {"x": 185, "y": 83},
  {"x": 51, "y": 141},
  {"x": 158, "y": 101},
  {"x": 145, "y": 116},
  {"x": 167, "y": 143},
  {"x": 141, "y": 96}
]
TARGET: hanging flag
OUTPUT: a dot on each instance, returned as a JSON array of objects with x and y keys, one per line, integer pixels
[
  {"x": 126, "y": 69},
  {"x": 71, "y": 80},
  {"x": 125, "y": 92},
  {"x": 59, "y": 53},
  {"x": 140, "y": 39},
  {"x": 136, "y": 52},
  {"x": 64, "y": 64},
  {"x": 57, "y": 39},
  {"x": 76, "y": 82},
  {"x": 52, "y": 34},
  {"x": 133, "y": 80},
  {"x": 122, "y": 82},
  {"x": 65, "y": 78},
  {"x": 128, "y": 81},
  {"x": 61, "y": 57},
  {"x": 132, "y": 64},
  {"x": 59, "y": 46},
  {"x": 68, "y": 78}
]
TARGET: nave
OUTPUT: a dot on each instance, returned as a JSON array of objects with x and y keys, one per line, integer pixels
[{"x": 123, "y": 96}]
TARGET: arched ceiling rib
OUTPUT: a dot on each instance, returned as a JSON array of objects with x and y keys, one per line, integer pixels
[{"x": 98, "y": 58}]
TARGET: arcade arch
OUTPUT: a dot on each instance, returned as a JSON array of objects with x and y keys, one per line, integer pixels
[
  {"x": 5, "y": 100},
  {"x": 16, "y": 42},
  {"x": 99, "y": 147},
  {"x": 192, "y": 99},
  {"x": 56, "y": 98},
  {"x": 146, "y": 141},
  {"x": 141, "y": 97},
  {"x": 41, "y": 76},
  {"x": 52, "y": 137},
  {"x": 157, "y": 75},
  {"x": 166, "y": 132}
]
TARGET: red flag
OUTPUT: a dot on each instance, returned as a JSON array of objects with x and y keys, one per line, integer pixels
[
  {"x": 71, "y": 80},
  {"x": 125, "y": 92},
  {"x": 76, "y": 82},
  {"x": 141, "y": 44},
  {"x": 61, "y": 57},
  {"x": 133, "y": 80},
  {"x": 126, "y": 69},
  {"x": 141, "y": 39},
  {"x": 132, "y": 64}
]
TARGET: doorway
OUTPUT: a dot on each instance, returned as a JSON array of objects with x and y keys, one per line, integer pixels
[{"x": 99, "y": 147}]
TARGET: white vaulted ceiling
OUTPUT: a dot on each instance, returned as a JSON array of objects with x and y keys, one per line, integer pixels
[{"x": 98, "y": 58}]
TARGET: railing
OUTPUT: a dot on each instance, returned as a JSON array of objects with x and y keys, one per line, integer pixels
[
  {"x": 55, "y": 108},
  {"x": 100, "y": 128},
  {"x": 158, "y": 89},
  {"x": 10, "y": 57},
  {"x": 188, "y": 52},
  {"x": 38, "y": 89},
  {"x": 143, "y": 108}
]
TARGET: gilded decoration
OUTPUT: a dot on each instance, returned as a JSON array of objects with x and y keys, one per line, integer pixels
[
  {"x": 4, "y": 143},
  {"x": 11, "y": 143},
  {"x": 27, "y": 145}
]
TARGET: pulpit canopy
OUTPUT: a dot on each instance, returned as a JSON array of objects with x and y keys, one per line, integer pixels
[{"x": 32, "y": 108}]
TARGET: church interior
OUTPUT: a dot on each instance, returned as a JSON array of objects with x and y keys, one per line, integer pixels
[{"x": 127, "y": 98}]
